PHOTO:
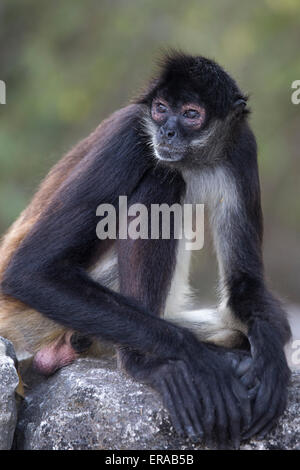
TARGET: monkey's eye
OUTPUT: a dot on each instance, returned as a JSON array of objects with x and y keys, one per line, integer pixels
[
  {"x": 159, "y": 110},
  {"x": 191, "y": 114},
  {"x": 160, "y": 107}
]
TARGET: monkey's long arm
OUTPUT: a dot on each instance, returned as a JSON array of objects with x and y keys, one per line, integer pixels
[
  {"x": 209, "y": 409},
  {"x": 238, "y": 238},
  {"x": 47, "y": 272}
]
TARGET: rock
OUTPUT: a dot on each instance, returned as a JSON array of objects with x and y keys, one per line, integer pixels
[
  {"x": 92, "y": 405},
  {"x": 8, "y": 383}
]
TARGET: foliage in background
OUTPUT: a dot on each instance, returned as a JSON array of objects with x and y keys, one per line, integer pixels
[{"x": 67, "y": 64}]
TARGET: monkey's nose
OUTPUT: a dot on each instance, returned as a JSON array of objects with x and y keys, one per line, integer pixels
[
  {"x": 167, "y": 134},
  {"x": 170, "y": 134}
]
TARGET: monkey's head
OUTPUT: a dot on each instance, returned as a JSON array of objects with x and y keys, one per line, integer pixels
[{"x": 189, "y": 106}]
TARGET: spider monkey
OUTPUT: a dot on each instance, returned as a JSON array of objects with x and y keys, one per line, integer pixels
[{"x": 185, "y": 139}]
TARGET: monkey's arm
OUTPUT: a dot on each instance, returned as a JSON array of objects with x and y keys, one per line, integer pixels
[
  {"x": 201, "y": 393},
  {"x": 238, "y": 239},
  {"x": 48, "y": 270}
]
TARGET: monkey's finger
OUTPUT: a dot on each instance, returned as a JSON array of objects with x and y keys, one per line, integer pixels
[
  {"x": 194, "y": 404},
  {"x": 238, "y": 409},
  {"x": 168, "y": 403},
  {"x": 265, "y": 430},
  {"x": 264, "y": 396},
  {"x": 253, "y": 391},
  {"x": 221, "y": 427},
  {"x": 242, "y": 395},
  {"x": 244, "y": 366},
  {"x": 267, "y": 418},
  {"x": 249, "y": 378},
  {"x": 278, "y": 405},
  {"x": 208, "y": 419},
  {"x": 181, "y": 408},
  {"x": 193, "y": 409},
  {"x": 233, "y": 360},
  {"x": 234, "y": 416},
  {"x": 184, "y": 406},
  {"x": 271, "y": 424}
]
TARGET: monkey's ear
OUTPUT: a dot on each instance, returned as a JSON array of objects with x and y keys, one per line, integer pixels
[
  {"x": 240, "y": 102},
  {"x": 240, "y": 106}
]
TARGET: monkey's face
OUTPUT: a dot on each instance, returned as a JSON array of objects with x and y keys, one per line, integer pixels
[
  {"x": 174, "y": 127},
  {"x": 190, "y": 105}
]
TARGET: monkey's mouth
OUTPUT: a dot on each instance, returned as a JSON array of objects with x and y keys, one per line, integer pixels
[{"x": 169, "y": 153}]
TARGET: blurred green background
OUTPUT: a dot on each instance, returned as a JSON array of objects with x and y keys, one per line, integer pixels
[{"x": 67, "y": 64}]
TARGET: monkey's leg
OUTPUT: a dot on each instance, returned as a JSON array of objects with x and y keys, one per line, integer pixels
[{"x": 211, "y": 325}]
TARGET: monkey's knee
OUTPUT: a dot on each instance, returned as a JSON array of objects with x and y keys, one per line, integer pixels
[{"x": 211, "y": 326}]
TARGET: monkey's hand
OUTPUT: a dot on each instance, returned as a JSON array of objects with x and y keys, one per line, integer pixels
[
  {"x": 173, "y": 381},
  {"x": 268, "y": 376},
  {"x": 224, "y": 400},
  {"x": 200, "y": 390}
]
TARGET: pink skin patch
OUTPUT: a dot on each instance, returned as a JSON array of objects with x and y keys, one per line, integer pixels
[
  {"x": 54, "y": 356},
  {"x": 160, "y": 109}
]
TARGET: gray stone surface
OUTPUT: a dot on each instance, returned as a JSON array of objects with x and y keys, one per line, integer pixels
[
  {"x": 8, "y": 383},
  {"x": 91, "y": 405}
]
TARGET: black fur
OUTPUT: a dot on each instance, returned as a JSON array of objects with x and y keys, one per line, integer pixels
[
  {"x": 80, "y": 343},
  {"x": 198, "y": 384},
  {"x": 182, "y": 77},
  {"x": 249, "y": 299}
]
